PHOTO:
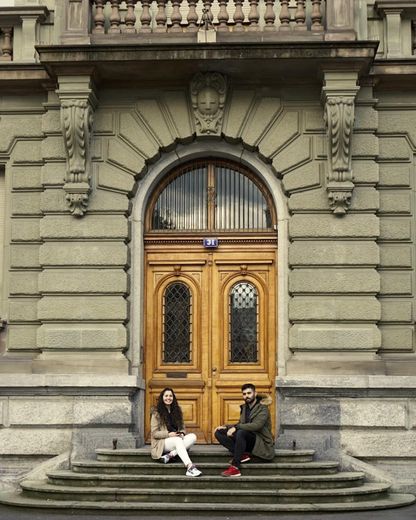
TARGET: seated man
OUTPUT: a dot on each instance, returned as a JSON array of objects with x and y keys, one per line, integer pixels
[{"x": 252, "y": 434}]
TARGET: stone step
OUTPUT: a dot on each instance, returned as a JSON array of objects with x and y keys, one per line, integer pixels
[
  {"x": 208, "y": 468},
  {"x": 163, "y": 481},
  {"x": 200, "y": 453},
  {"x": 366, "y": 492}
]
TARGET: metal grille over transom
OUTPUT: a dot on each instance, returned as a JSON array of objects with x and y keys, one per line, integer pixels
[
  {"x": 177, "y": 324},
  {"x": 212, "y": 195},
  {"x": 243, "y": 326}
]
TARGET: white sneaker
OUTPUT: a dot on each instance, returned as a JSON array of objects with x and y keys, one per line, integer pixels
[
  {"x": 165, "y": 458},
  {"x": 193, "y": 471}
]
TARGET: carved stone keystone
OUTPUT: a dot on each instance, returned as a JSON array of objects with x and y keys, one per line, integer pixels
[
  {"x": 208, "y": 92},
  {"x": 338, "y": 96},
  {"x": 78, "y": 102}
]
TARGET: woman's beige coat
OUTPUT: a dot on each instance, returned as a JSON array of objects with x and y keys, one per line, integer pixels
[{"x": 158, "y": 434}]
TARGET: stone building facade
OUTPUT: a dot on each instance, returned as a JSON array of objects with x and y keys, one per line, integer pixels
[{"x": 99, "y": 103}]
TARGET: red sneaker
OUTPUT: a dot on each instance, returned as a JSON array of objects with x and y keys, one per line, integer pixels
[
  {"x": 232, "y": 471},
  {"x": 245, "y": 458}
]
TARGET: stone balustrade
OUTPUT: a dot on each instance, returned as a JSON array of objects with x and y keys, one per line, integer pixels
[
  {"x": 179, "y": 16},
  {"x": 19, "y": 32}
]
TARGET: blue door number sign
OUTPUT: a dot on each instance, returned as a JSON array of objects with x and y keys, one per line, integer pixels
[{"x": 211, "y": 242}]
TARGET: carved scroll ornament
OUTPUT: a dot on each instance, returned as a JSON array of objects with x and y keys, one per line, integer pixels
[
  {"x": 208, "y": 92},
  {"x": 76, "y": 118},
  {"x": 339, "y": 119}
]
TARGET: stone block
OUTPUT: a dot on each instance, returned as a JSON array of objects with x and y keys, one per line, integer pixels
[
  {"x": 104, "y": 122},
  {"x": 23, "y": 309},
  {"x": 24, "y": 177},
  {"x": 123, "y": 156},
  {"x": 133, "y": 131},
  {"x": 395, "y": 201},
  {"x": 53, "y": 201},
  {"x": 261, "y": 115},
  {"x": 18, "y": 126},
  {"x": 21, "y": 337},
  {"x": 394, "y": 148},
  {"x": 53, "y": 148},
  {"x": 53, "y": 174},
  {"x": 27, "y": 152},
  {"x": 25, "y": 230},
  {"x": 314, "y": 120},
  {"x": 89, "y": 336},
  {"x": 102, "y": 411},
  {"x": 26, "y": 203},
  {"x": 305, "y": 177},
  {"x": 365, "y": 171},
  {"x": 396, "y": 310},
  {"x": 364, "y": 145},
  {"x": 294, "y": 155},
  {"x": 82, "y": 308},
  {"x": 80, "y": 253},
  {"x": 329, "y": 226},
  {"x": 395, "y": 255},
  {"x": 395, "y": 443},
  {"x": 398, "y": 338},
  {"x": 34, "y": 441},
  {"x": 366, "y": 118},
  {"x": 394, "y": 175},
  {"x": 324, "y": 252},
  {"x": 114, "y": 178},
  {"x": 395, "y": 228},
  {"x": 153, "y": 117},
  {"x": 241, "y": 101},
  {"x": 25, "y": 256},
  {"x": 283, "y": 130},
  {"x": 24, "y": 282},
  {"x": 83, "y": 281},
  {"x": 313, "y": 200},
  {"x": 401, "y": 120},
  {"x": 177, "y": 103},
  {"x": 334, "y": 281},
  {"x": 334, "y": 338},
  {"x": 334, "y": 309},
  {"x": 51, "y": 121},
  {"x": 91, "y": 226},
  {"x": 396, "y": 283}
]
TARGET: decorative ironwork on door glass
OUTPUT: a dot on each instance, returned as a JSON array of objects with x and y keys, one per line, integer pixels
[
  {"x": 243, "y": 323},
  {"x": 177, "y": 324}
]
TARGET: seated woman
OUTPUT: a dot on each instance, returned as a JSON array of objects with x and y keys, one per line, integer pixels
[{"x": 168, "y": 434}]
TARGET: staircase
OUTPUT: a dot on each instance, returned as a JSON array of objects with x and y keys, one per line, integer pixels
[{"x": 130, "y": 480}]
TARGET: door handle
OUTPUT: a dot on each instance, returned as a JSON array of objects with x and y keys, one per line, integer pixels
[{"x": 214, "y": 370}]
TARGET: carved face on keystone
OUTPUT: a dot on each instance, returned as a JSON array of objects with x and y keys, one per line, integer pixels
[{"x": 208, "y": 101}]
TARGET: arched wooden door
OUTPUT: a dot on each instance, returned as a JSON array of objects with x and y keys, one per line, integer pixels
[{"x": 210, "y": 307}]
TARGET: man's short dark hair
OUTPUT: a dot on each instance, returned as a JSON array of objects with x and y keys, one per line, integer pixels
[{"x": 248, "y": 386}]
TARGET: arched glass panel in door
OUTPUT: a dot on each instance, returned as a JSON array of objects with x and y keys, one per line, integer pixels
[
  {"x": 212, "y": 196},
  {"x": 177, "y": 324},
  {"x": 243, "y": 323}
]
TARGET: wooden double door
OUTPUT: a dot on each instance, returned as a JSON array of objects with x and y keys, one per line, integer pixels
[{"x": 210, "y": 326}]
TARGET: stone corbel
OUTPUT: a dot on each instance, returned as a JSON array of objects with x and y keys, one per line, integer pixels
[
  {"x": 338, "y": 97},
  {"x": 78, "y": 102}
]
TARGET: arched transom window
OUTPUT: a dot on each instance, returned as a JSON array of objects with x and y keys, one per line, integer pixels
[{"x": 211, "y": 196}]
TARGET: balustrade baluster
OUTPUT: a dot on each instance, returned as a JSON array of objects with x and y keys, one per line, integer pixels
[
  {"x": 99, "y": 18},
  {"x": 284, "y": 16},
  {"x": 223, "y": 16},
  {"x": 161, "y": 17},
  {"x": 130, "y": 19},
  {"x": 192, "y": 17},
  {"x": 238, "y": 15},
  {"x": 146, "y": 17},
  {"x": 115, "y": 18},
  {"x": 253, "y": 16},
  {"x": 316, "y": 16},
  {"x": 7, "y": 49},
  {"x": 300, "y": 16},
  {"x": 269, "y": 16},
  {"x": 176, "y": 17}
]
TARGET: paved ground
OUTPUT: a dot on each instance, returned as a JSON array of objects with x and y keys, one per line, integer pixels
[{"x": 13, "y": 513}]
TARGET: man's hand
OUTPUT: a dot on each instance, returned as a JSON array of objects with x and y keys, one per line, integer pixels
[
  {"x": 222, "y": 427},
  {"x": 231, "y": 431}
]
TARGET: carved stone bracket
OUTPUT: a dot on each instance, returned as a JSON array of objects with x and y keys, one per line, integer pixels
[
  {"x": 208, "y": 93},
  {"x": 77, "y": 107},
  {"x": 338, "y": 96}
]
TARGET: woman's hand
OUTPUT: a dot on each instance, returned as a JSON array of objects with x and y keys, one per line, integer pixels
[{"x": 173, "y": 434}]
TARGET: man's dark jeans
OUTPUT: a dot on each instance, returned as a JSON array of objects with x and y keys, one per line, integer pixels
[{"x": 241, "y": 442}]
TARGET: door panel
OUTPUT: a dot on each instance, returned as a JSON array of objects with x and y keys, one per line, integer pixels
[{"x": 225, "y": 287}]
